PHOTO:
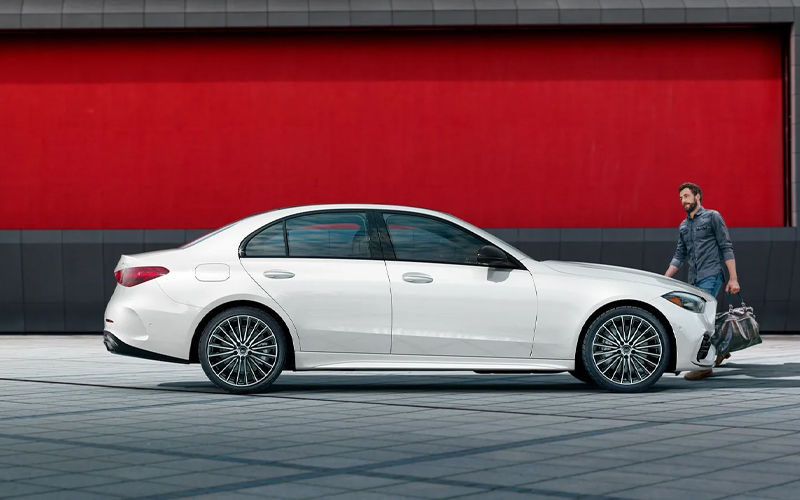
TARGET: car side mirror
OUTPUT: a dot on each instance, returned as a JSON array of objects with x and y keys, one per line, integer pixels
[{"x": 489, "y": 255}]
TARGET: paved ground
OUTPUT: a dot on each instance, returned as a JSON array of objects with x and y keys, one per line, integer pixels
[{"x": 77, "y": 422}]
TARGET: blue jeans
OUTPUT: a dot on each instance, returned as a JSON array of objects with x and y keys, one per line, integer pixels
[{"x": 712, "y": 284}]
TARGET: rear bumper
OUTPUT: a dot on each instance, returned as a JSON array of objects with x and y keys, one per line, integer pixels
[{"x": 116, "y": 346}]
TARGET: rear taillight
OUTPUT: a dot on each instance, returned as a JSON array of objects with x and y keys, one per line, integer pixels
[{"x": 132, "y": 276}]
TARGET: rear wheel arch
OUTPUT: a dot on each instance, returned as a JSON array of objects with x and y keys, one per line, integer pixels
[
  {"x": 193, "y": 358},
  {"x": 633, "y": 303}
]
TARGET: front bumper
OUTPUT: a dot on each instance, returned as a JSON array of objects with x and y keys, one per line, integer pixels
[
  {"x": 116, "y": 346},
  {"x": 706, "y": 352}
]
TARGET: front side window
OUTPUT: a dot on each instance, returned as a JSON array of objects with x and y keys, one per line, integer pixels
[
  {"x": 337, "y": 235},
  {"x": 424, "y": 239}
]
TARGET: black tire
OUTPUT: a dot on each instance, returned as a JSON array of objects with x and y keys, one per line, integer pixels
[
  {"x": 581, "y": 374},
  {"x": 626, "y": 349},
  {"x": 242, "y": 350}
]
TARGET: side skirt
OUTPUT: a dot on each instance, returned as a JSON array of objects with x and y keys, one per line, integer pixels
[{"x": 352, "y": 361}]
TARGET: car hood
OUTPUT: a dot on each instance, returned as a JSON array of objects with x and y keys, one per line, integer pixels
[{"x": 604, "y": 271}]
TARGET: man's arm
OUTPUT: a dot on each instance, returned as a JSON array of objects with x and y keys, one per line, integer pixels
[
  {"x": 726, "y": 247},
  {"x": 733, "y": 282},
  {"x": 677, "y": 259}
]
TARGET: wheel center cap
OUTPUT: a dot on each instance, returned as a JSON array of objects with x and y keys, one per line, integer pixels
[
  {"x": 242, "y": 350},
  {"x": 626, "y": 350}
]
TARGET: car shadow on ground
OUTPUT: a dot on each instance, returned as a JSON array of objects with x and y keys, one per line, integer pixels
[{"x": 730, "y": 375}]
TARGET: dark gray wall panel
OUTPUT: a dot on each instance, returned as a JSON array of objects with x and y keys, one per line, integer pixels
[
  {"x": 11, "y": 267},
  {"x": 159, "y": 239},
  {"x": 793, "y": 316},
  {"x": 794, "y": 290},
  {"x": 12, "y": 317},
  {"x": 751, "y": 247},
  {"x": 83, "y": 316},
  {"x": 42, "y": 267},
  {"x": 48, "y": 317},
  {"x": 581, "y": 251},
  {"x": 583, "y": 245},
  {"x": 772, "y": 316},
  {"x": 623, "y": 247},
  {"x": 781, "y": 265},
  {"x": 541, "y": 250},
  {"x": 83, "y": 272},
  {"x": 752, "y": 263},
  {"x": 656, "y": 257}
]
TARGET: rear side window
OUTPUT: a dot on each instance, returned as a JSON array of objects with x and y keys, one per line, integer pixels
[
  {"x": 268, "y": 243},
  {"x": 424, "y": 239},
  {"x": 338, "y": 235}
]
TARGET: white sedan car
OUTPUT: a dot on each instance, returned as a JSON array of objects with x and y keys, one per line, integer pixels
[{"x": 378, "y": 287}]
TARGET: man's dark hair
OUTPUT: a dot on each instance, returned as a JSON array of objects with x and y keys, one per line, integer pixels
[{"x": 694, "y": 188}]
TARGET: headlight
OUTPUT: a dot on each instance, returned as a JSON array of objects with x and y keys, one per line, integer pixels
[{"x": 687, "y": 301}]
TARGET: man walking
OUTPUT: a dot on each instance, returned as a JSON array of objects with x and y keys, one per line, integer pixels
[{"x": 703, "y": 240}]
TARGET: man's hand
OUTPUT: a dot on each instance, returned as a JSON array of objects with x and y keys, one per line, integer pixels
[{"x": 732, "y": 286}]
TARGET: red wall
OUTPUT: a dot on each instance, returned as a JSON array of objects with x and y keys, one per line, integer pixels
[{"x": 505, "y": 129}]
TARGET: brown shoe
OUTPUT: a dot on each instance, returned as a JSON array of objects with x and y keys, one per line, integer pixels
[
  {"x": 698, "y": 374},
  {"x": 721, "y": 358}
]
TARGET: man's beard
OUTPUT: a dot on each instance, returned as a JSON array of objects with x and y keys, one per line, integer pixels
[{"x": 690, "y": 207}]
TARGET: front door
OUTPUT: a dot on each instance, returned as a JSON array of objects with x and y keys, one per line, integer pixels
[{"x": 444, "y": 303}]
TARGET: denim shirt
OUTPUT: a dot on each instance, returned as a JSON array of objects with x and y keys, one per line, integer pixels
[{"x": 703, "y": 241}]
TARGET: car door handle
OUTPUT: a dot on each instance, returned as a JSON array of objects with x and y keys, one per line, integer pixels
[
  {"x": 417, "y": 278},
  {"x": 278, "y": 275}
]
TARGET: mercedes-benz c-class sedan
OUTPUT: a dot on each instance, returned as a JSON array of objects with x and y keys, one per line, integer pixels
[{"x": 379, "y": 287}]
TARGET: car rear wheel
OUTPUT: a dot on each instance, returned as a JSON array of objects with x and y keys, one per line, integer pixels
[
  {"x": 626, "y": 349},
  {"x": 242, "y": 350}
]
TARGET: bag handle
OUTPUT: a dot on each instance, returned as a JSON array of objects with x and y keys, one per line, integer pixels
[{"x": 730, "y": 302}]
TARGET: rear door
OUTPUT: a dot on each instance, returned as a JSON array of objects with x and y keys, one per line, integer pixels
[{"x": 325, "y": 270}]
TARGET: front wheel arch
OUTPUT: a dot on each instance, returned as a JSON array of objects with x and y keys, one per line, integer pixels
[{"x": 671, "y": 363}]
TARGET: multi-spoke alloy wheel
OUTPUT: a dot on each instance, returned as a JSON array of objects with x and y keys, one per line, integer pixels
[
  {"x": 625, "y": 349},
  {"x": 242, "y": 350}
]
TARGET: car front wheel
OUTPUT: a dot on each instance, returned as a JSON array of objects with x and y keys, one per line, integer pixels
[
  {"x": 242, "y": 350},
  {"x": 626, "y": 349}
]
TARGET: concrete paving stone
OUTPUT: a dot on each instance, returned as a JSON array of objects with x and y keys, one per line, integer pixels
[
  {"x": 140, "y": 472},
  {"x": 366, "y": 495},
  {"x": 428, "y": 490},
  {"x": 69, "y": 495},
  {"x": 573, "y": 486},
  {"x": 420, "y": 470},
  {"x": 371, "y": 456},
  {"x": 18, "y": 489},
  {"x": 132, "y": 489},
  {"x": 494, "y": 477},
  {"x": 16, "y": 473},
  {"x": 701, "y": 483},
  {"x": 24, "y": 459},
  {"x": 785, "y": 491},
  {"x": 71, "y": 481},
  {"x": 745, "y": 475},
  {"x": 352, "y": 481},
  {"x": 198, "y": 479},
  {"x": 226, "y": 495},
  {"x": 663, "y": 493},
  {"x": 334, "y": 462},
  {"x": 261, "y": 472},
  {"x": 292, "y": 490}
]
